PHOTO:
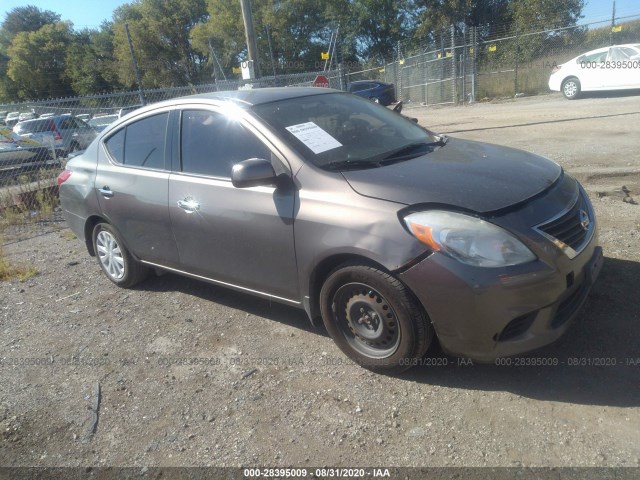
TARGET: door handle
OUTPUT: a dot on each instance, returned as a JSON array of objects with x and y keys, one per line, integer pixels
[
  {"x": 106, "y": 192},
  {"x": 189, "y": 205}
]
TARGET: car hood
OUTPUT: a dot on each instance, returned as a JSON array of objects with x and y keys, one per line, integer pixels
[{"x": 469, "y": 175}]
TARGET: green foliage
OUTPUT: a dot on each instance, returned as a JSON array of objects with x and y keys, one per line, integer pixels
[
  {"x": 24, "y": 19},
  {"x": 160, "y": 33},
  {"x": 37, "y": 61},
  {"x": 41, "y": 56},
  {"x": 20, "y": 19},
  {"x": 90, "y": 64}
]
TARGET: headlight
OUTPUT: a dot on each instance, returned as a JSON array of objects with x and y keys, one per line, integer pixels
[{"x": 468, "y": 239}]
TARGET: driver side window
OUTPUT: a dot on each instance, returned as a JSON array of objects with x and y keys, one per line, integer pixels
[{"x": 211, "y": 143}]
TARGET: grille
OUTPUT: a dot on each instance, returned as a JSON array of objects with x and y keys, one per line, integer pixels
[{"x": 573, "y": 228}]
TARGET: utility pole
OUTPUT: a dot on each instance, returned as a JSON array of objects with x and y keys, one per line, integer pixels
[
  {"x": 613, "y": 23},
  {"x": 250, "y": 34},
  {"x": 135, "y": 66}
]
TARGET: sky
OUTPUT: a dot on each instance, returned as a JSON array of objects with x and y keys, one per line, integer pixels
[{"x": 91, "y": 13}]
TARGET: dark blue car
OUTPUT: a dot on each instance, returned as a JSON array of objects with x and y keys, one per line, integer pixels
[{"x": 379, "y": 92}]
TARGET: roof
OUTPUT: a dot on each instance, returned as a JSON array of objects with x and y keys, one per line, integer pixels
[{"x": 263, "y": 95}]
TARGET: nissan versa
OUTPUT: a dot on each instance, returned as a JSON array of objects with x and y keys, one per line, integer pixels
[{"x": 390, "y": 234}]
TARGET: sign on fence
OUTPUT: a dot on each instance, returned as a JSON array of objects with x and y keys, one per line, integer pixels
[{"x": 321, "y": 81}]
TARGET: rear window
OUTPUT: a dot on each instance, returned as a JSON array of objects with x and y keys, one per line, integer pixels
[
  {"x": 37, "y": 126},
  {"x": 358, "y": 87},
  {"x": 69, "y": 123}
]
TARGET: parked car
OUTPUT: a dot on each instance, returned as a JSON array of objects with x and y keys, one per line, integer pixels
[
  {"x": 608, "y": 68},
  {"x": 3, "y": 116},
  {"x": 99, "y": 123},
  {"x": 18, "y": 154},
  {"x": 379, "y": 92},
  {"x": 322, "y": 200},
  {"x": 11, "y": 119},
  {"x": 66, "y": 133},
  {"x": 27, "y": 116}
]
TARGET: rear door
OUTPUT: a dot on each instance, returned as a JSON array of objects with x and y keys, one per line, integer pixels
[
  {"x": 132, "y": 186},
  {"x": 237, "y": 236},
  {"x": 627, "y": 63}
]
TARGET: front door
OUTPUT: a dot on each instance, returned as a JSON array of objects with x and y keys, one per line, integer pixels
[{"x": 237, "y": 236}]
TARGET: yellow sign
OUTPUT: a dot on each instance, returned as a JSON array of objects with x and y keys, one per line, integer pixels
[
  {"x": 401, "y": 62},
  {"x": 493, "y": 48},
  {"x": 449, "y": 54},
  {"x": 381, "y": 70},
  {"x": 236, "y": 70},
  {"x": 471, "y": 50},
  {"x": 616, "y": 29},
  {"x": 324, "y": 55}
]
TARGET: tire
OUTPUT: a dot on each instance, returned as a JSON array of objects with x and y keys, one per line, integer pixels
[
  {"x": 391, "y": 332},
  {"x": 571, "y": 88},
  {"x": 114, "y": 259}
]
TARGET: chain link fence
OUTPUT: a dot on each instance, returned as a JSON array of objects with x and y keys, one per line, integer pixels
[{"x": 456, "y": 65}]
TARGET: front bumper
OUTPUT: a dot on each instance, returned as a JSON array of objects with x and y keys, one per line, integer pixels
[{"x": 484, "y": 314}]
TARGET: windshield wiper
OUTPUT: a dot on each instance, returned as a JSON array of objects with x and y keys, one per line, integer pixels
[
  {"x": 412, "y": 150},
  {"x": 350, "y": 165}
]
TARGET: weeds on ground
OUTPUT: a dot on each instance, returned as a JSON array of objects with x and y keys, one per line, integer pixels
[{"x": 13, "y": 272}]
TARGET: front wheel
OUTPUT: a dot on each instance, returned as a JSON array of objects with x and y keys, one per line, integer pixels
[
  {"x": 571, "y": 88},
  {"x": 114, "y": 259},
  {"x": 374, "y": 319}
]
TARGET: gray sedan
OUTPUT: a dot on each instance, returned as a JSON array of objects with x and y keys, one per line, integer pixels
[{"x": 389, "y": 234}]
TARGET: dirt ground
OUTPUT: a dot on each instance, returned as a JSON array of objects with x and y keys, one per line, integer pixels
[{"x": 266, "y": 389}]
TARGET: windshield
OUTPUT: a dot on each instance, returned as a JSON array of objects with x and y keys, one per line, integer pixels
[{"x": 342, "y": 129}]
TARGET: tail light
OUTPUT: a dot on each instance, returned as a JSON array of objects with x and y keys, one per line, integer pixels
[
  {"x": 63, "y": 177},
  {"x": 54, "y": 129}
]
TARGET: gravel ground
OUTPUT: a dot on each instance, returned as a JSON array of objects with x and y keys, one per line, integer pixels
[{"x": 93, "y": 375}]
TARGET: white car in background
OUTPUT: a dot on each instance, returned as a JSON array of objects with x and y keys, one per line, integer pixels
[{"x": 608, "y": 68}]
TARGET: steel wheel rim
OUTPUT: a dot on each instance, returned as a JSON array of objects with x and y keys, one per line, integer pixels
[
  {"x": 570, "y": 89},
  {"x": 110, "y": 255},
  {"x": 367, "y": 321}
]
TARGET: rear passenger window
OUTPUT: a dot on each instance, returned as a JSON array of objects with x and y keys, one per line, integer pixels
[
  {"x": 140, "y": 144},
  {"x": 211, "y": 144},
  {"x": 115, "y": 145}
]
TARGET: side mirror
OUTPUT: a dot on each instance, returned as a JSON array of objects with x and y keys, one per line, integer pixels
[{"x": 254, "y": 172}]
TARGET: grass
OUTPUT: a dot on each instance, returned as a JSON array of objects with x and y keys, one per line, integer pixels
[
  {"x": 38, "y": 202},
  {"x": 9, "y": 271}
]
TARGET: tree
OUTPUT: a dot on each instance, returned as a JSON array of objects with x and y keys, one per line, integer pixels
[
  {"x": 24, "y": 19},
  {"x": 37, "y": 61},
  {"x": 20, "y": 19},
  {"x": 90, "y": 63},
  {"x": 381, "y": 24},
  {"x": 160, "y": 31},
  {"x": 224, "y": 30}
]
